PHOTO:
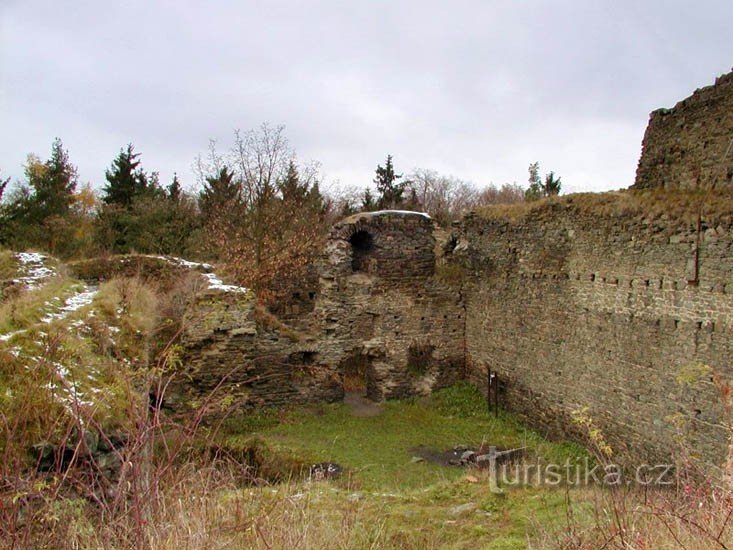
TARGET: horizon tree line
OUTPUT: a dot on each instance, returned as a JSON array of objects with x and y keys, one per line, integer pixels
[{"x": 257, "y": 211}]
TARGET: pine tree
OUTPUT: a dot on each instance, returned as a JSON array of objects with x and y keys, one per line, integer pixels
[
  {"x": 534, "y": 191},
  {"x": 39, "y": 212},
  {"x": 175, "y": 189},
  {"x": 53, "y": 192},
  {"x": 220, "y": 191},
  {"x": 126, "y": 178},
  {"x": 552, "y": 185},
  {"x": 290, "y": 187},
  {"x": 537, "y": 189},
  {"x": 390, "y": 190},
  {"x": 368, "y": 203},
  {"x": 3, "y": 185}
]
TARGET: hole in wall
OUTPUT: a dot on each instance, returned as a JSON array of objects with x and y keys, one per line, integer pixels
[
  {"x": 420, "y": 358},
  {"x": 357, "y": 375},
  {"x": 362, "y": 245},
  {"x": 303, "y": 357}
]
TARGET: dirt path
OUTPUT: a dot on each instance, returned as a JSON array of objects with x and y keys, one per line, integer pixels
[{"x": 360, "y": 405}]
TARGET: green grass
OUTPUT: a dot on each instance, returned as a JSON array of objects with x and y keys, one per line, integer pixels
[
  {"x": 376, "y": 450},
  {"x": 414, "y": 503}
]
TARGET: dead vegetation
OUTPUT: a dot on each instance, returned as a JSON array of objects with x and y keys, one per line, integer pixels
[{"x": 677, "y": 206}]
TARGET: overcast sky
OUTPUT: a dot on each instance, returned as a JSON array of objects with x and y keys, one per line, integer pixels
[{"x": 475, "y": 89}]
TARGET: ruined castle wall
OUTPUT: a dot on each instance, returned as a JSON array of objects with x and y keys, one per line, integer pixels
[
  {"x": 237, "y": 356},
  {"x": 685, "y": 147},
  {"x": 578, "y": 308},
  {"x": 387, "y": 310},
  {"x": 378, "y": 306}
]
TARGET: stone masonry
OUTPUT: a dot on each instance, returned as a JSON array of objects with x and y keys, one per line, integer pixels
[
  {"x": 689, "y": 146},
  {"x": 378, "y": 310},
  {"x": 578, "y": 304},
  {"x": 618, "y": 303}
]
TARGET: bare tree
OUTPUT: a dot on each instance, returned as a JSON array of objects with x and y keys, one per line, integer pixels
[{"x": 276, "y": 221}]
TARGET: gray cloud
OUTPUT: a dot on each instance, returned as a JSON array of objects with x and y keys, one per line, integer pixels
[{"x": 475, "y": 89}]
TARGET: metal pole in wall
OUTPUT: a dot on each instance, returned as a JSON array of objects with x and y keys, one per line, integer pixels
[
  {"x": 495, "y": 380},
  {"x": 488, "y": 389}
]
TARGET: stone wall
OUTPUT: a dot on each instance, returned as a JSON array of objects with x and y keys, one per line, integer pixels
[
  {"x": 376, "y": 306},
  {"x": 595, "y": 301},
  {"x": 381, "y": 305},
  {"x": 239, "y": 356},
  {"x": 685, "y": 147}
]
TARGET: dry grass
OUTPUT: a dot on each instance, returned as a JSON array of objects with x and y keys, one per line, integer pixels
[
  {"x": 8, "y": 264},
  {"x": 693, "y": 516},
  {"x": 677, "y": 206}
]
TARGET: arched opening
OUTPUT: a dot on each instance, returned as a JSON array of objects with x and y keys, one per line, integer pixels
[{"x": 362, "y": 245}]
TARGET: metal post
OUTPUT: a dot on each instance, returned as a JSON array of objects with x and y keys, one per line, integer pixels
[
  {"x": 496, "y": 395},
  {"x": 488, "y": 389}
]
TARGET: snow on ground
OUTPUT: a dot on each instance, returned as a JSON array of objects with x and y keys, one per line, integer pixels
[
  {"x": 33, "y": 269},
  {"x": 72, "y": 304},
  {"x": 215, "y": 282}
]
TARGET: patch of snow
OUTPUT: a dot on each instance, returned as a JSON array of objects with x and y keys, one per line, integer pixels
[
  {"x": 215, "y": 283},
  {"x": 34, "y": 269},
  {"x": 31, "y": 257},
  {"x": 72, "y": 304},
  {"x": 9, "y": 335},
  {"x": 183, "y": 263},
  {"x": 399, "y": 212}
]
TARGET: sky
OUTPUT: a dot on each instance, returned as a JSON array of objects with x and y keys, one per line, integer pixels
[{"x": 473, "y": 89}]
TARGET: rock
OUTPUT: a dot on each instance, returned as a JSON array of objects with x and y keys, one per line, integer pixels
[
  {"x": 324, "y": 470},
  {"x": 462, "y": 509},
  {"x": 501, "y": 456},
  {"x": 468, "y": 456}
]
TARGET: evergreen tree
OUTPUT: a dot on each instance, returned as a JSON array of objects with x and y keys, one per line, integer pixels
[
  {"x": 534, "y": 191},
  {"x": 53, "y": 191},
  {"x": 552, "y": 185},
  {"x": 39, "y": 212},
  {"x": 290, "y": 187},
  {"x": 125, "y": 178},
  {"x": 3, "y": 185},
  {"x": 299, "y": 192},
  {"x": 537, "y": 189},
  {"x": 390, "y": 190},
  {"x": 220, "y": 191},
  {"x": 175, "y": 189},
  {"x": 368, "y": 203}
]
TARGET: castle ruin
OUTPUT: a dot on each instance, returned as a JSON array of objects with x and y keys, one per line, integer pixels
[{"x": 606, "y": 301}]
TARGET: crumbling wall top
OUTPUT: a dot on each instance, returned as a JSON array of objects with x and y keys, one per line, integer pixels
[
  {"x": 395, "y": 245},
  {"x": 690, "y": 145}
]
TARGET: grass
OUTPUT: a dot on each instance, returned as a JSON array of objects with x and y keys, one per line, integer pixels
[
  {"x": 376, "y": 450},
  {"x": 8, "y": 264},
  {"x": 399, "y": 501},
  {"x": 383, "y": 500},
  {"x": 674, "y": 206}
]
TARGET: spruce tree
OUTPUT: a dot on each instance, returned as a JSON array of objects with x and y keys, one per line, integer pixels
[
  {"x": 220, "y": 191},
  {"x": 53, "y": 192},
  {"x": 552, "y": 185},
  {"x": 390, "y": 190},
  {"x": 175, "y": 189},
  {"x": 125, "y": 178},
  {"x": 534, "y": 191}
]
